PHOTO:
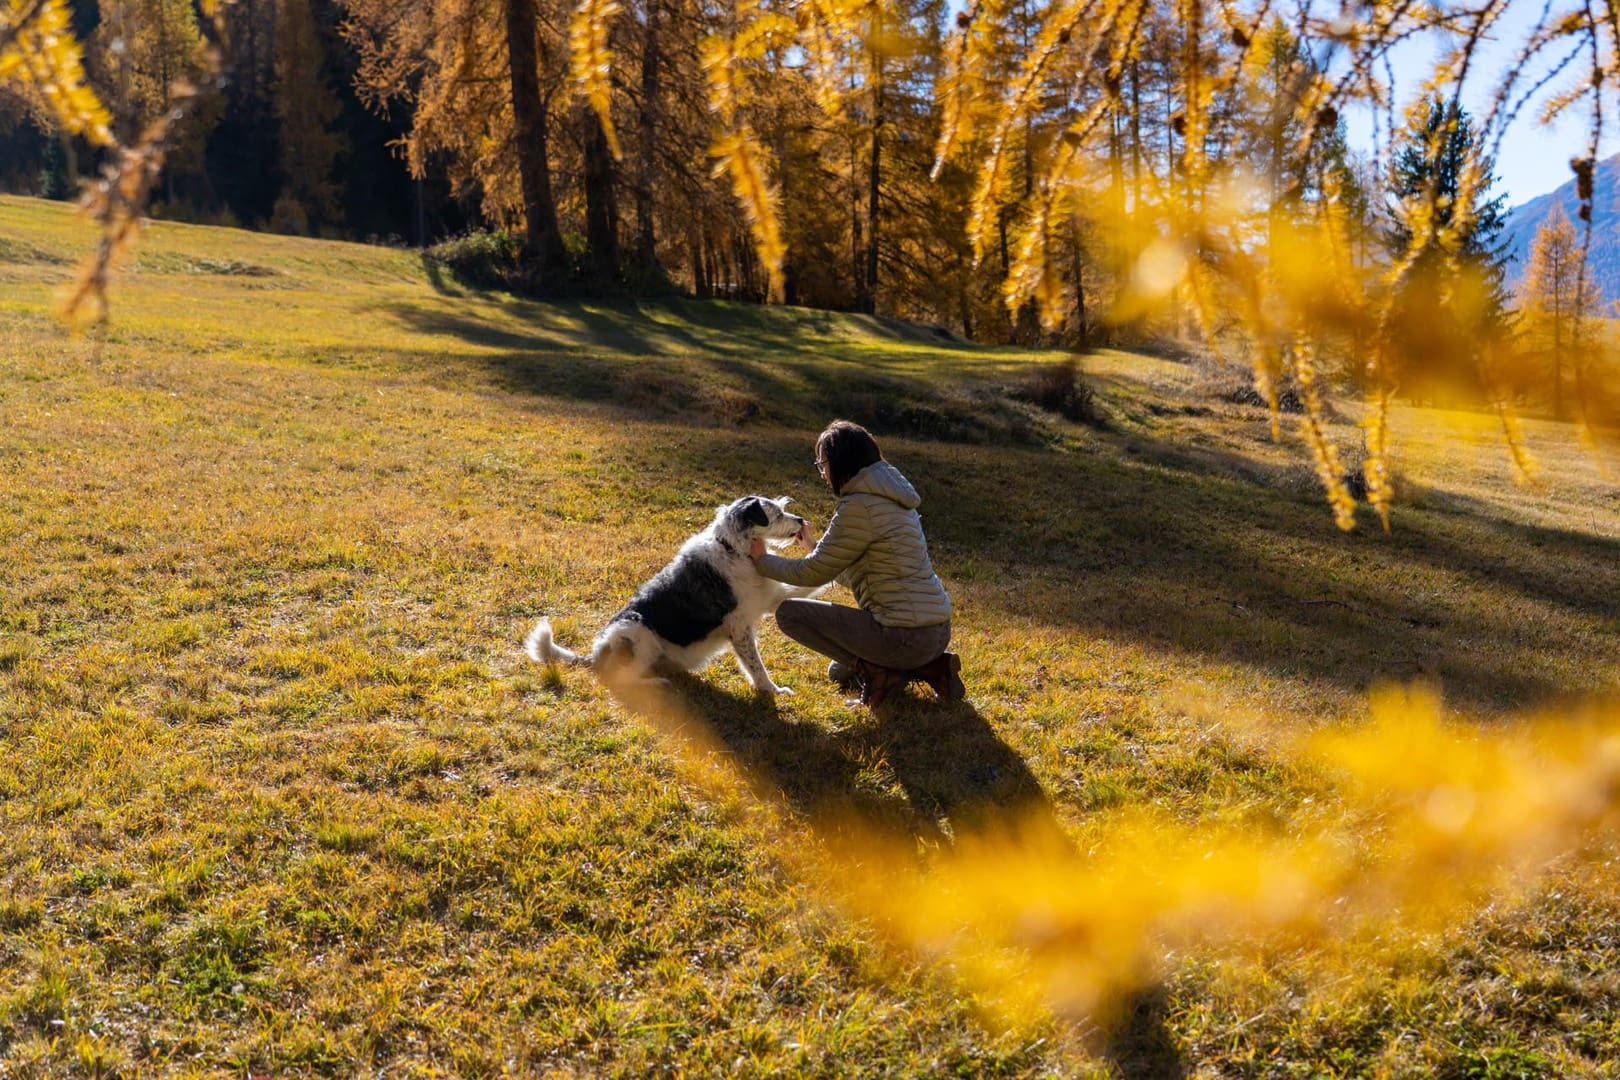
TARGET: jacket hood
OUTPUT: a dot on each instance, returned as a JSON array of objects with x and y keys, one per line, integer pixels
[{"x": 881, "y": 478}]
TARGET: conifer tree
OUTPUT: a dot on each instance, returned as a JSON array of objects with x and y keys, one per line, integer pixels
[
  {"x": 1449, "y": 310},
  {"x": 1558, "y": 298},
  {"x": 479, "y": 80},
  {"x": 305, "y": 109},
  {"x": 141, "y": 48},
  {"x": 243, "y": 152},
  {"x": 142, "y": 52}
]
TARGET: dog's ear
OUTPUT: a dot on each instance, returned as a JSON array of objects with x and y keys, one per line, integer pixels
[
  {"x": 783, "y": 501},
  {"x": 750, "y": 512}
]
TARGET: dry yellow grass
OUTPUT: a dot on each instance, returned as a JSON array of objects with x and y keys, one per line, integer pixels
[{"x": 280, "y": 795}]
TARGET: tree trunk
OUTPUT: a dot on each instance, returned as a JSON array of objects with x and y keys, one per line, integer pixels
[
  {"x": 601, "y": 203},
  {"x": 1136, "y": 134},
  {"x": 857, "y": 243},
  {"x": 748, "y": 280},
  {"x": 1082, "y": 331},
  {"x": 874, "y": 176},
  {"x": 1558, "y": 365},
  {"x": 1116, "y": 157},
  {"x": 651, "y": 59},
  {"x": 542, "y": 240},
  {"x": 1578, "y": 357},
  {"x": 700, "y": 268}
]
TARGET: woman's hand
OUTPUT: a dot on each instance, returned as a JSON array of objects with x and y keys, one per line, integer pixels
[
  {"x": 756, "y": 548},
  {"x": 807, "y": 536}
]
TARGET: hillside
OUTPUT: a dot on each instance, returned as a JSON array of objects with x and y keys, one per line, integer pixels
[
  {"x": 1604, "y": 257},
  {"x": 281, "y": 796}
]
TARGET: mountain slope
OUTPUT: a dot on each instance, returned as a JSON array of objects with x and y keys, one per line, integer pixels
[{"x": 1523, "y": 220}]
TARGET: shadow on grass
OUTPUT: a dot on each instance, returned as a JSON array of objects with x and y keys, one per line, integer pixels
[
  {"x": 919, "y": 769},
  {"x": 1139, "y": 1042},
  {"x": 671, "y": 325},
  {"x": 441, "y": 282},
  {"x": 731, "y": 364},
  {"x": 1180, "y": 556},
  {"x": 956, "y": 778}
]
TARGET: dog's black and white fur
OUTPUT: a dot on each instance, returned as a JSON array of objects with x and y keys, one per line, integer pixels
[{"x": 709, "y": 597}]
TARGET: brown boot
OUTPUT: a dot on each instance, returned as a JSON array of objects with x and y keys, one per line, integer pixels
[
  {"x": 878, "y": 682},
  {"x": 944, "y": 674}
]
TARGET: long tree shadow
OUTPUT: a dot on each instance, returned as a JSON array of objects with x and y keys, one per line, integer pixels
[
  {"x": 1201, "y": 562},
  {"x": 552, "y": 330},
  {"x": 724, "y": 366},
  {"x": 670, "y": 326}
]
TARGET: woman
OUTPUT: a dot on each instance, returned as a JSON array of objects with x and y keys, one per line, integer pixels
[{"x": 874, "y": 545}]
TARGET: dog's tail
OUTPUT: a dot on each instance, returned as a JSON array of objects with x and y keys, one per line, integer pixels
[{"x": 540, "y": 647}]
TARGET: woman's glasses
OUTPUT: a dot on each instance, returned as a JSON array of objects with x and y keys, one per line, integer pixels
[{"x": 821, "y": 465}]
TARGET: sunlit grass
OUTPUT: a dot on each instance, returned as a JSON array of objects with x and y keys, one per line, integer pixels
[{"x": 281, "y": 796}]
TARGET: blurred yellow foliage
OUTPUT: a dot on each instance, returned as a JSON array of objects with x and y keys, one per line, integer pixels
[
  {"x": 39, "y": 52},
  {"x": 739, "y": 153},
  {"x": 1436, "y": 818},
  {"x": 591, "y": 60}
]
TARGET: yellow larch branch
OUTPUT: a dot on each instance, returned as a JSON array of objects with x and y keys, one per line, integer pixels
[{"x": 591, "y": 61}]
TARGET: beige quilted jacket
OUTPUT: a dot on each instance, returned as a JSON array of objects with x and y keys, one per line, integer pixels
[{"x": 874, "y": 545}]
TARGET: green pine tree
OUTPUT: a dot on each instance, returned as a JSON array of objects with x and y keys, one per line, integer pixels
[{"x": 1451, "y": 307}]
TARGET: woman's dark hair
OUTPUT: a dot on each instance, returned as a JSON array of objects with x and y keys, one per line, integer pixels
[{"x": 846, "y": 448}]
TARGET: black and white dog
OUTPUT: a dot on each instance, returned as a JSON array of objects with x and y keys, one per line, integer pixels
[{"x": 709, "y": 597}]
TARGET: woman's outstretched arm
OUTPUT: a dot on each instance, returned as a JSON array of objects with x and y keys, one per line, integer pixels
[{"x": 846, "y": 537}]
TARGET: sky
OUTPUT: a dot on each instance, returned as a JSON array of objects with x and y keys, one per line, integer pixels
[{"x": 1533, "y": 159}]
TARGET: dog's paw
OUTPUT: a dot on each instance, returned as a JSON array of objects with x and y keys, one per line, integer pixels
[{"x": 782, "y": 691}]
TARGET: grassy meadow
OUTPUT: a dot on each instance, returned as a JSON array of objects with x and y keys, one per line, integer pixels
[{"x": 280, "y": 795}]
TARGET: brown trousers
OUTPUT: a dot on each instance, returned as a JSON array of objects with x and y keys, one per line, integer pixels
[{"x": 848, "y": 634}]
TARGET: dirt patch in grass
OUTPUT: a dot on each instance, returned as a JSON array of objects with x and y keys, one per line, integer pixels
[{"x": 19, "y": 251}]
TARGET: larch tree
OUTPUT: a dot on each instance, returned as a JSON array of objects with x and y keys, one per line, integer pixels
[
  {"x": 479, "y": 77},
  {"x": 898, "y": 39},
  {"x": 1557, "y": 299},
  {"x": 305, "y": 110},
  {"x": 244, "y": 154},
  {"x": 874, "y": 66},
  {"x": 641, "y": 112},
  {"x": 140, "y": 50}
]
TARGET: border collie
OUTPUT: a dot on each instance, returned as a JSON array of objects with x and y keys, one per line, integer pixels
[{"x": 708, "y": 598}]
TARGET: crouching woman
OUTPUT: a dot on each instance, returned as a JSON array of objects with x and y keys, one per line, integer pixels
[{"x": 875, "y": 546}]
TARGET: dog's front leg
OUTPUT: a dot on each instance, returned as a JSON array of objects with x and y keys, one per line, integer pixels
[
  {"x": 805, "y": 592},
  {"x": 746, "y": 647}
]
